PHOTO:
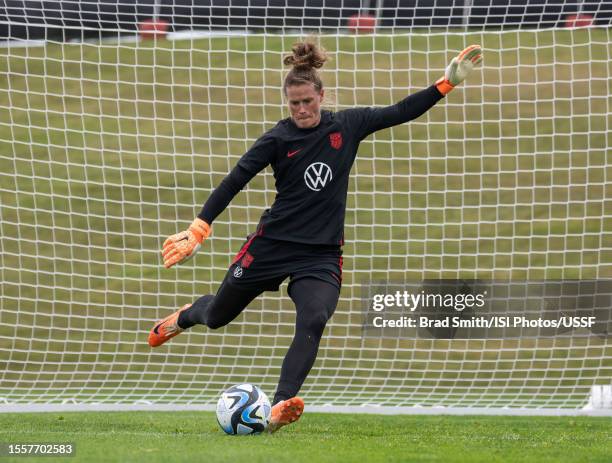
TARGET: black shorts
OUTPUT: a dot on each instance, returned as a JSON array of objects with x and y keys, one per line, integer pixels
[{"x": 264, "y": 263}]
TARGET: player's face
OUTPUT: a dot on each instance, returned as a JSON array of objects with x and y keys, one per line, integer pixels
[{"x": 304, "y": 105}]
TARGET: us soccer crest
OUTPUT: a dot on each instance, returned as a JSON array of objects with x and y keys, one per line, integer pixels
[{"x": 335, "y": 139}]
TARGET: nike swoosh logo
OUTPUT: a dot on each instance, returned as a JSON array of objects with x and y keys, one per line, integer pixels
[
  {"x": 293, "y": 153},
  {"x": 156, "y": 328}
]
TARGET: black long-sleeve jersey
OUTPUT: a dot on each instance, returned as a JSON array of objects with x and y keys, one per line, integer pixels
[{"x": 311, "y": 168}]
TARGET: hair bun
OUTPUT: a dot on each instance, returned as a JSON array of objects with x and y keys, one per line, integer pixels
[{"x": 306, "y": 55}]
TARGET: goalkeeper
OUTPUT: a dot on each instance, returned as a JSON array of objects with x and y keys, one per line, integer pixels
[{"x": 301, "y": 236}]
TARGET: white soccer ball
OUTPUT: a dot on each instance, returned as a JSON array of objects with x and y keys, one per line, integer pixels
[{"x": 243, "y": 409}]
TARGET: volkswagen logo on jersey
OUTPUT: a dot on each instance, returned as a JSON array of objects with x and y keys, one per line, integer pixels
[{"x": 317, "y": 175}]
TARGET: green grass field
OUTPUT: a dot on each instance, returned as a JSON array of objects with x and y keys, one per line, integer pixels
[
  {"x": 187, "y": 437},
  {"x": 107, "y": 149}
]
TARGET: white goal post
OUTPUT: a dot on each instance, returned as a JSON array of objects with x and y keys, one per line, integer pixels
[{"x": 109, "y": 144}]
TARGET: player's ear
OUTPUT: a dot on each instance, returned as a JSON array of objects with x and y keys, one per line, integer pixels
[{"x": 322, "y": 94}]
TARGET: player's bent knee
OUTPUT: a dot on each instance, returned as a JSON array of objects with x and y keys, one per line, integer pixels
[{"x": 314, "y": 319}]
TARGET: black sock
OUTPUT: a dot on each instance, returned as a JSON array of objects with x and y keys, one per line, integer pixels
[{"x": 196, "y": 314}]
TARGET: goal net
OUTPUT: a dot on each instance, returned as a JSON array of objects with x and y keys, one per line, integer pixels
[{"x": 111, "y": 142}]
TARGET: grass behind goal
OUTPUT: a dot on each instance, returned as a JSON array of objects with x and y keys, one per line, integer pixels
[{"x": 105, "y": 149}]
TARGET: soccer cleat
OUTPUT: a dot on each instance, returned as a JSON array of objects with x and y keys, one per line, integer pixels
[
  {"x": 285, "y": 412},
  {"x": 166, "y": 329}
]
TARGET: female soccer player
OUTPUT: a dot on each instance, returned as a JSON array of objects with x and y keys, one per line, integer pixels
[{"x": 301, "y": 236}]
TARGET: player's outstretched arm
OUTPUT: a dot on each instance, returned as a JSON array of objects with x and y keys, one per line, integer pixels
[
  {"x": 459, "y": 68},
  {"x": 368, "y": 120},
  {"x": 182, "y": 246}
]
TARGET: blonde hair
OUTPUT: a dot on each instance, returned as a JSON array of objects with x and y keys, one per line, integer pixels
[{"x": 306, "y": 58}]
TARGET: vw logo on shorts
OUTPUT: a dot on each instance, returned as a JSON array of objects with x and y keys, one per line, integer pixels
[
  {"x": 317, "y": 175},
  {"x": 238, "y": 272}
]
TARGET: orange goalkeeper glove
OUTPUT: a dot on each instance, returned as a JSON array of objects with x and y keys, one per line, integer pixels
[
  {"x": 458, "y": 69},
  {"x": 181, "y": 247}
]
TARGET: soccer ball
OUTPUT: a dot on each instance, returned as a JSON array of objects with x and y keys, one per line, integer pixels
[{"x": 243, "y": 409}]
